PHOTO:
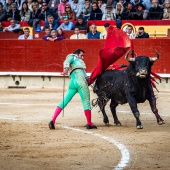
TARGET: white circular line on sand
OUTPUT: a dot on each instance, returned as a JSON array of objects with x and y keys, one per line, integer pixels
[{"x": 124, "y": 151}]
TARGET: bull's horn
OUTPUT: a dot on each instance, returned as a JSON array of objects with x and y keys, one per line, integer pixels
[
  {"x": 127, "y": 58},
  {"x": 154, "y": 58}
]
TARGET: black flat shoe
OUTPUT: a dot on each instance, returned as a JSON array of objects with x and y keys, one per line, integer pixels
[
  {"x": 51, "y": 125},
  {"x": 91, "y": 127}
]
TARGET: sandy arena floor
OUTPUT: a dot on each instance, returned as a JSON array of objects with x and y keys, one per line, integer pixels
[{"x": 27, "y": 143}]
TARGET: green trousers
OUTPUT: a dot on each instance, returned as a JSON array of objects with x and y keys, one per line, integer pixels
[{"x": 78, "y": 84}]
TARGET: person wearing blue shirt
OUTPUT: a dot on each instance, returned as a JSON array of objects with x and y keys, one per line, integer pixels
[
  {"x": 93, "y": 34},
  {"x": 66, "y": 25},
  {"x": 51, "y": 23}
]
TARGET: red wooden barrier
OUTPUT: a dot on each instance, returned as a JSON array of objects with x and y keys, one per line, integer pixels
[
  {"x": 45, "y": 56},
  {"x": 10, "y": 35}
]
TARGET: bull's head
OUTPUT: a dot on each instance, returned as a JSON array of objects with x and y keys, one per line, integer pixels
[{"x": 142, "y": 64}]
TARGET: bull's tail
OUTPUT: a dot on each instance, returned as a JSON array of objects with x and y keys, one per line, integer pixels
[
  {"x": 94, "y": 103},
  {"x": 95, "y": 88}
]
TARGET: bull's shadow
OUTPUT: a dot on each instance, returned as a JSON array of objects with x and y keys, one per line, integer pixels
[{"x": 132, "y": 85}]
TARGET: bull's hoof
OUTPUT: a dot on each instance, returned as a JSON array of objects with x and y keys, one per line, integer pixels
[
  {"x": 118, "y": 123},
  {"x": 161, "y": 122},
  {"x": 139, "y": 127},
  {"x": 107, "y": 124}
]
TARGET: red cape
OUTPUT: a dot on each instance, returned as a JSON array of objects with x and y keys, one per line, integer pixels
[{"x": 116, "y": 45}]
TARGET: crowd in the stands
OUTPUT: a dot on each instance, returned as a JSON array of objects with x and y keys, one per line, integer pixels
[
  {"x": 31, "y": 10},
  {"x": 60, "y": 15}
]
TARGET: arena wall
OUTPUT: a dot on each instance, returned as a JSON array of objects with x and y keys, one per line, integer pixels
[{"x": 38, "y": 63}]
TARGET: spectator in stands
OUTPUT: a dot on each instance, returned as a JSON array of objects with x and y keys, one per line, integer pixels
[
  {"x": 14, "y": 13},
  {"x": 54, "y": 36},
  {"x": 162, "y": 3},
  {"x": 141, "y": 13},
  {"x": 13, "y": 26},
  {"x": 147, "y": 4},
  {"x": 26, "y": 35},
  {"x": 1, "y": 27},
  {"x": 96, "y": 13},
  {"x": 77, "y": 34},
  {"x": 47, "y": 33},
  {"x": 51, "y": 23},
  {"x": 166, "y": 14},
  {"x": 76, "y": 7},
  {"x": 69, "y": 13},
  {"x": 34, "y": 21},
  {"x": 19, "y": 4},
  {"x": 2, "y": 13},
  {"x": 61, "y": 8},
  {"x": 104, "y": 35},
  {"x": 81, "y": 23},
  {"x": 60, "y": 32},
  {"x": 45, "y": 11},
  {"x": 136, "y": 2},
  {"x": 93, "y": 34},
  {"x": 118, "y": 11},
  {"x": 29, "y": 3},
  {"x": 155, "y": 12},
  {"x": 25, "y": 13},
  {"x": 130, "y": 33},
  {"x": 102, "y": 5},
  {"x": 108, "y": 13},
  {"x": 8, "y": 5},
  {"x": 141, "y": 33},
  {"x": 128, "y": 12},
  {"x": 112, "y": 2},
  {"x": 126, "y": 2},
  {"x": 66, "y": 25},
  {"x": 3, "y": 2},
  {"x": 53, "y": 4},
  {"x": 39, "y": 3},
  {"x": 86, "y": 10}
]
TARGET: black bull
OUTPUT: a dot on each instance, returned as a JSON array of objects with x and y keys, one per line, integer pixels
[{"x": 131, "y": 85}]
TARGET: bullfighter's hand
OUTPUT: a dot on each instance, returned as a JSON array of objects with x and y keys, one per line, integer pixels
[{"x": 65, "y": 72}]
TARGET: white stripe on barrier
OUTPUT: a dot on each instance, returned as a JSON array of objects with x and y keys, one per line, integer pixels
[{"x": 52, "y": 74}]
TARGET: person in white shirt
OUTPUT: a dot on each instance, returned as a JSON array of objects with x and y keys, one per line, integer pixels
[
  {"x": 26, "y": 35},
  {"x": 77, "y": 7},
  {"x": 19, "y": 3},
  {"x": 101, "y": 5},
  {"x": 129, "y": 31},
  {"x": 13, "y": 26},
  {"x": 77, "y": 34}
]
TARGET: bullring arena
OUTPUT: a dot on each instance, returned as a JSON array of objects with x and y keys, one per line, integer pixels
[
  {"x": 26, "y": 142},
  {"x": 30, "y": 89}
]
